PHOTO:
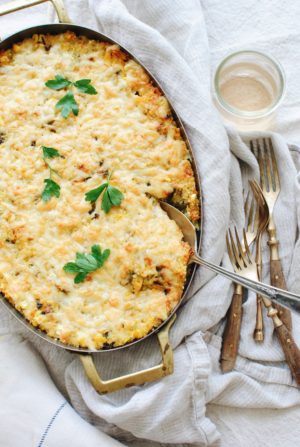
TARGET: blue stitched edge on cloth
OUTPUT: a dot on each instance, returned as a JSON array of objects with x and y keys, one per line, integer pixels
[{"x": 50, "y": 424}]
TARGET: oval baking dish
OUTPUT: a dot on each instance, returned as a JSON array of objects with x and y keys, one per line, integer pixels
[{"x": 142, "y": 192}]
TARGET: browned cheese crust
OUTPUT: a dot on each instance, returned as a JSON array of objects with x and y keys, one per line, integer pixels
[{"x": 126, "y": 128}]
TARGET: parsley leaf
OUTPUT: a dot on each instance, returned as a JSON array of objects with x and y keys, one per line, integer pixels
[
  {"x": 115, "y": 196},
  {"x": 67, "y": 104},
  {"x": 52, "y": 189},
  {"x": 111, "y": 196},
  {"x": 94, "y": 194},
  {"x": 96, "y": 252},
  {"x": 58, "y": 83},
  {"x": 71, "y": 267},
  {"x": 50, "y": 152},
  {"x": 80, "y": 277},
  {"x": 86, "y": 263},
  {"x": 84, "y": 85},
  {"x": 106, "y": 204}
]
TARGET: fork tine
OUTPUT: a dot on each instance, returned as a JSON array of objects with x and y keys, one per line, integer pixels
[
  {"x": 253, "y": 147},
  {"x": 232, "y": 247},
  {"x": 255, "y": 188},
  {"x": 259, "y": 155},
  {"x": 236, "y": 255},
  {"x": 230, "y": 253},
  {"x": 246, "y": 203},
  {"x": 240, "y": 248},
  {"x": 254, "y": 211},
  {"x": 257, "y": 192},
  {"x": 250, "y": 215},
  {"x": 256, "y": 218},
  {"x": 274, "y": 166},
  {"x": 267, "y": 159},
  {"x": 247, "y": 247},
  {"x": 261, "y": 205}
]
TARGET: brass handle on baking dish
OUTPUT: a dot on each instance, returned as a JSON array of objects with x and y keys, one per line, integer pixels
[
  {"x": 16, "y": 5},
  {"x": 137, "y": 378}
]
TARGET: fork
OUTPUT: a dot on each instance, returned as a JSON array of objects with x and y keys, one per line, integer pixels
[
  {"x": 231, "y": 334},
  {"x": 258, "y": 334},
  {"x": 245, "y": 265},
  {"x": 270, "y": 185}
]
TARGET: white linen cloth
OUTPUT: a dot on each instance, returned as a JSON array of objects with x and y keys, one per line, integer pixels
[
  {"x": 33, "y": 412},
  {"x": 170, "y": 38}
]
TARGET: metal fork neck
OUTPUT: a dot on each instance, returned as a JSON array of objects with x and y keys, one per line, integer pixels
[
  {"x": 271, "y": 223},
  {"x": 273, "y": 242}
]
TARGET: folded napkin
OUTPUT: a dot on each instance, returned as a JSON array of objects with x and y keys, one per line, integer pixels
[
  {"x": 169, "y": 37},
  {"x": 33, "y": 412}
]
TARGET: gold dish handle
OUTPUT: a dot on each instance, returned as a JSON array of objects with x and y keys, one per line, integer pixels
[
  {"x": 16, "y": 5},
  {"x": 138, "y": 378}
]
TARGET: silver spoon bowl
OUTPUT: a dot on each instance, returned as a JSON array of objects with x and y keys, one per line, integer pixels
[{"x": 287, "y": 299}]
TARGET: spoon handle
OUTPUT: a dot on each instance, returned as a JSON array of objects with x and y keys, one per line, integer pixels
[{"x": 286, "y": 299}]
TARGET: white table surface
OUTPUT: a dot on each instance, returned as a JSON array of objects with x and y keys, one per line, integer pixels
[{"x": 270, "y": 26}]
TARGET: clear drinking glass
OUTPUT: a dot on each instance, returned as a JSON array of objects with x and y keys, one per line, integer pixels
[{"x": 249, "y": 86}]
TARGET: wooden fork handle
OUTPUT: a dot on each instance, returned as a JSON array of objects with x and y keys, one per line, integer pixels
[
  {"x": 290, "y": 349},
  {"x": 278, "y": 280},
  {"x": 286, "y": 340},
  {"x": 231, "y": 335},
  {"x": 259, "y": 324}
]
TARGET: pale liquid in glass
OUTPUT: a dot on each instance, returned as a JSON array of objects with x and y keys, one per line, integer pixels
[
  {"x": 245, "y": 93},
  {"x": 248, "y": 87}
]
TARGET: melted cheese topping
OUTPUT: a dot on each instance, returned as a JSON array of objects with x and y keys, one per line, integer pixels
[{"x": 128, "y": 128}]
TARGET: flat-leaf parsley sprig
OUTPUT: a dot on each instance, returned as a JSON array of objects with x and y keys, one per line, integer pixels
[
  {"x": 52, "y": 189},
  {"x": 67, "y": 103},
  {"x": 86, "y": 263},
  {"x": 111, "y": 196}
]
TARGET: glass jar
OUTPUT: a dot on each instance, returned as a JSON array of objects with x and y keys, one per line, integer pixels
[{"x": 248, "y": 87}]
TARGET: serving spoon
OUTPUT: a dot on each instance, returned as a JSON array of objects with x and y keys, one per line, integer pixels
[{"x": 286, "y": 299}]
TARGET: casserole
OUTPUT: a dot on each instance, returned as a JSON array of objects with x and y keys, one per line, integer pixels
[{"x": 43, "y": 45}]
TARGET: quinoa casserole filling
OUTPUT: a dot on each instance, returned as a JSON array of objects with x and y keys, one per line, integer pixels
[{"x": 88, "y": 149}]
